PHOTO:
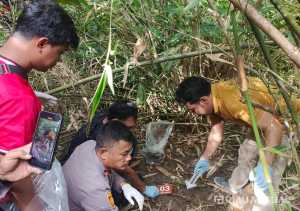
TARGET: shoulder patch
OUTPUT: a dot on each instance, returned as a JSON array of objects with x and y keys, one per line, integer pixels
[{"x": 110, "y": 199}]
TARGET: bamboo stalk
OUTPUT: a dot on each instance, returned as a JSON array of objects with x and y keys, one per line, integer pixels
[
  {"x": 141, "y": 64},
  {"x": 244, "y": 89},
  {"x": 292, "y": 51},
  {"x": 292, "y": 24},
  {"x": 280, "y": 85},
  {"x": 260, "y": 146},
  {"x": 282, "y": 90}
]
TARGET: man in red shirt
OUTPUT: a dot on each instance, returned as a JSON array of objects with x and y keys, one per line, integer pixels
[
  {"x": 43, "y": 32},
  {"x": 19, "y": 109}
]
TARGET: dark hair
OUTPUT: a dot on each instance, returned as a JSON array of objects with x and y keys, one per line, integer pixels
[
  {"x": 121, "y": 110},
  {"x": 192, "y": 89},
  {"x": 113, "y": 132},
  {"x": 45, "y": 18}
]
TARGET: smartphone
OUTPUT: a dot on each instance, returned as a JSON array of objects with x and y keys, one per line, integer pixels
[{"x": 45, "y": 139}]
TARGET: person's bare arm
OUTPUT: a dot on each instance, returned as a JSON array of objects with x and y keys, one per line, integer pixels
[
  {"x": 272, "y": 130},
  {"x": 133, "y": 178},
  {"x": 215, "y": 137}
]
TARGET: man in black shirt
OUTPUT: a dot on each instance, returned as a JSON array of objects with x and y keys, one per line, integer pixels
[{"x": 121, "y": 110}]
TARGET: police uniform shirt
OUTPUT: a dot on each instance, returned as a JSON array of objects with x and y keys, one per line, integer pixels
[{"x": 89, "y": 183}]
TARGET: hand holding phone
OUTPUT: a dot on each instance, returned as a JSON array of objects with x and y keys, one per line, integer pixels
[
  {"x": 45, "y": 139},
  {"x": 14, "y": 165}
]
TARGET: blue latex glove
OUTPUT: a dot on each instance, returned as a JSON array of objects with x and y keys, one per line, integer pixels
[
  {"x": 259, "y": 177},
  {"x": 201, "y": 167},
  {"x": 151, "y": 191}
]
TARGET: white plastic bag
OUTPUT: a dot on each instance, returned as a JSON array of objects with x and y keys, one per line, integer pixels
[{"x": 157, "y": 135}]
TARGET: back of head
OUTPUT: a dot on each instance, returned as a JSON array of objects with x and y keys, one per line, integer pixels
[
  {"x": 122, "y": 110},
  {"x": 192, "y": 89},
  {"x": 113, "y": 132},
  {"x": 45, "y": 18}
]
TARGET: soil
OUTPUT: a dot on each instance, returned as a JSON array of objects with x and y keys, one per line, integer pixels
[{"x": 183, "y": 150}]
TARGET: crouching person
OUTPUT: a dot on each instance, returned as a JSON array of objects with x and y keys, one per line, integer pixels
[{"x": 90, "y": 171}]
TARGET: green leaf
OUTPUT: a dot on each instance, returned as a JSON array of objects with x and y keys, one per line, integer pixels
[
  {"x": 97, "y": 96},
  {"x": 288, "y": 207},
  {"x": 279, "y": 150},
  {"x": 141, "y": 96}
]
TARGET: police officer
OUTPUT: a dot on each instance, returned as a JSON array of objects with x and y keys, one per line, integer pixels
[{"x": 90, "y": 175}]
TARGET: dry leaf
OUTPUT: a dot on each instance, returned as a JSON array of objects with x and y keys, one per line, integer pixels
[
  {"x": 139, "y": 48},
  {"x": 164, "y": 171}
]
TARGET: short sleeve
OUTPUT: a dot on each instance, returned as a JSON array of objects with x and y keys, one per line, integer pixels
[
  {"x": 99, "y": 200},
  {"x": 18, "y": 118}
]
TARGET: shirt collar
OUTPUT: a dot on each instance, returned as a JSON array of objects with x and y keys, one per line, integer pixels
[
  {"x": 14, "y": 68},
  {"x": 215, "y": 99}
]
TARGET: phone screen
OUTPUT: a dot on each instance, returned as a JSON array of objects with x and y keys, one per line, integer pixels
[{"x": 44, "y": 139}]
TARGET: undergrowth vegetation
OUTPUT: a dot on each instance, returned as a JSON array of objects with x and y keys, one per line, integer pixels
[{"x": 157, "y": 31}]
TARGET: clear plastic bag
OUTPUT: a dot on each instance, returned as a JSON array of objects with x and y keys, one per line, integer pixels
[
  {"x": 50, "y": 192},
  {"x": 157, "y": 135},
  {"x": 51, "y": 189}
]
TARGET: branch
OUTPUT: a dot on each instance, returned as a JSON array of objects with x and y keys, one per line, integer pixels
[
  {"x": 281, "y": 86},
  {"x": 144, "y": 63},
  {"x": 292, "y": 51},
  {"x": 282, "y": 89},
  {"x": 292, "y": 24}
]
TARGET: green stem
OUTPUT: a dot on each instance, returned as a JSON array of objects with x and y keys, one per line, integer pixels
[
  {"x": 292, "y": 24},
  {"x": 244, "y": 89},
  {"x": 282, "y": 89},
  {"x": 280, "y": 85},
  {"x": 238, "y": 49},
  {"x": 260, "y": 145}
]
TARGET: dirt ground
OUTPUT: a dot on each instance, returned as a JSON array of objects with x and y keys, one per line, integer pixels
[
  {"x": 182, "y": 151},
  {"x": 184, "y": 147}
]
